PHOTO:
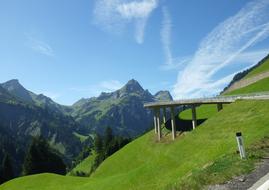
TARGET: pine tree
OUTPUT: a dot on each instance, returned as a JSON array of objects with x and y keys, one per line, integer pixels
[
  {"x": 98, "y": 144},
  {"x": 41, "y": 158},
  {"x": 110, "y": 146},
  {"x": 99, "y": 150},
  {"x": 7, "y": 169},
  {"x": 108, "y": 137}
]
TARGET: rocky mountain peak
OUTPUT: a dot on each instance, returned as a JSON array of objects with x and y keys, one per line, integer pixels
[
  {"x": 12, "y": 84},
  {"x": 163, "y": 95},
  {"x": 132, "y": 86},
  {"x": 16, "y": 89}
]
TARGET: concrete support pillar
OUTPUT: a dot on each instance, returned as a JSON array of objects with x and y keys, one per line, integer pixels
[
  {"x": 219, "y": 106},
  {"x": 159, "y": 131},
  {"x": 173, "y": 123},
  {"x": 164, "y": 115},
  {"x": 194, "y": 120},
  {"x": 155, "y": 121}
]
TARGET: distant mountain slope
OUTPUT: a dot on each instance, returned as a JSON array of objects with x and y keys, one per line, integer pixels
[
  {"x": 24, "y": 114},
  {"x": 17, "y": 90},
  {"x": 22, "y": 121},
  {"x": 5, "y": 96},
  {"x": 121, "y": 110}
]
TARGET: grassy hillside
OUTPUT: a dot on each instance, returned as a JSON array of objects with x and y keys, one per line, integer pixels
[
  {"x": 261, "y": 67},
  {"x": 260, "y": 86},
  {"x": 147, "y": 164},
  {"x": 45, "y": 181},
  {"x": 202, "y": 112},
  {"x": 84, "y": 166},
  {"x": 264, "y": 67}
]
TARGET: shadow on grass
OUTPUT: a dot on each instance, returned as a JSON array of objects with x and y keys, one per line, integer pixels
[{"x": 182, "y": 124}]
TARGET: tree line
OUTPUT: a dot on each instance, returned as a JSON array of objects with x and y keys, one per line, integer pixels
[
  {"x": 39, "y": 158},
  {"x": 107, "y": 145}
]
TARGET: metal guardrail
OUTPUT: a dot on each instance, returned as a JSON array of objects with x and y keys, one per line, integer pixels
[
  {"x": 191, "y": 101},
  {"x": 247, "y": 94},
  {"x": 212, "y": 100}
]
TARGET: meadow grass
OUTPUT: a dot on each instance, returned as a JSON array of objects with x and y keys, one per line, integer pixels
[
  {"x": 202, "y": 112},
  {"x": 84, "y": 166}
]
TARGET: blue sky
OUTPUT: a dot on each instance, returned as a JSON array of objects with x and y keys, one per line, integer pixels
[{"x": 78, "y": 48}]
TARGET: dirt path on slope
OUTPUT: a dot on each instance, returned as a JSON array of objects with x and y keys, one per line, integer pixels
[
  {"x": 246, "y": 181},
  {"x": 245, "y": 82}
]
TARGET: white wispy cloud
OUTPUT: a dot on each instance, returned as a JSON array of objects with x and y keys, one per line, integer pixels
[
  {"x": 223, "y": 47},
  {"x": 177, "y": 63},
  {"x": 96, "y": 89},
  {"x": 114, "y": 15},
  {"x": 166, "y": 36},
  {"x": 171, "y": 62},
  {"x": 40, "y": 46}
]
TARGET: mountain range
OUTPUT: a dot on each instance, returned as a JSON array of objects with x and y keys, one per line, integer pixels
[
  {"x": 121, "y": 110},
  {"x": 24, "y": 114}
]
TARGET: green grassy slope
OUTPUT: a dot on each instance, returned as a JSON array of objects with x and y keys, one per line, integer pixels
[
  {"x": 45, "y": 181},
  {"x": 203, "y": 112},
  {"x": 147, "y": 164},
  {"x": 261, "y": 69},
  {"x": 85, "y": 165},
  {"x": 260, "y": 86}
]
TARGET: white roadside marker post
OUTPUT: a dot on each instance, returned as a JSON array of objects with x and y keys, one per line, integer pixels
[{"x": 240, "y": 144}]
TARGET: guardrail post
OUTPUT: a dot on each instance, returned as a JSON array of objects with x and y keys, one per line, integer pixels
[
  {"x": 194, "y": 121},
  {"x": 240, "y": 144},
  {"x": 173, "y": 123},
  {"x": 159, "y": 130},
  {"x": 155, "y": 121}
]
